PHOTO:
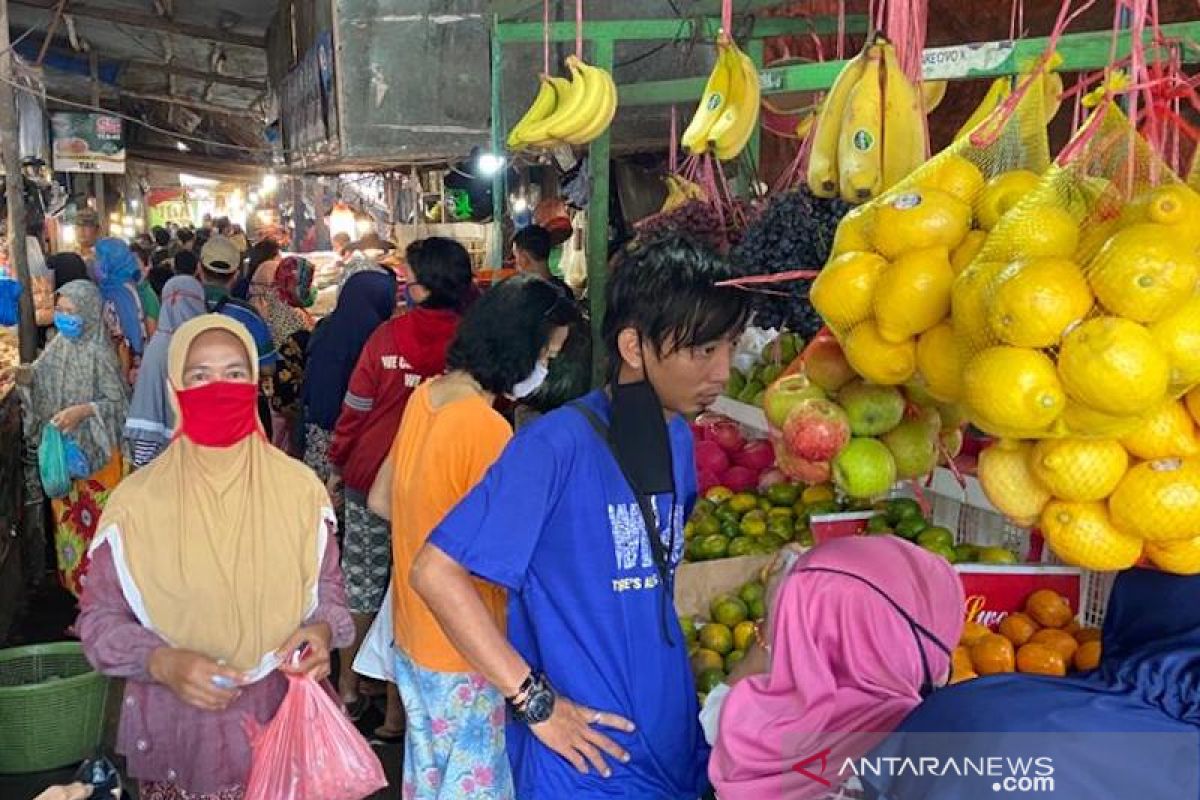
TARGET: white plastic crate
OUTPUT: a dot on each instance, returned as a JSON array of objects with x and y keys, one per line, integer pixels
[{"x": 967, "y": 511}]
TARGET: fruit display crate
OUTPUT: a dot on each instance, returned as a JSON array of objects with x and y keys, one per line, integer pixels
[{"x": 959, "y": 504}]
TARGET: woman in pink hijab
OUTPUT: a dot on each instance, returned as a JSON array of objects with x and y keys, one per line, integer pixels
[{"x": 860, "y": 630}]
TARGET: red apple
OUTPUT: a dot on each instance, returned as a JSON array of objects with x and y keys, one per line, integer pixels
[
  {"x": 826, "y": 364},
  {"x": 798, "y": 469},
  {"x": 815, "y": 430},
  {"x": 784, "y": 394}
]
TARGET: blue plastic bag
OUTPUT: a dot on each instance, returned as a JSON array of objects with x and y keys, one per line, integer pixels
[
  {"x": 10, "y": 290},
  {"x": 77, "y": 463},
  {"x": 52, "y": 463}
]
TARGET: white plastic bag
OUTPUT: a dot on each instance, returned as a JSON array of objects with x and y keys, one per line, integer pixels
[{"x": 374, "y": 658}]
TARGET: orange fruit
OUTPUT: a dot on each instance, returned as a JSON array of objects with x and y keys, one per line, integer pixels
[
  {"x": 1087, "y": 657},
  {"x": 959, "y": 677},
  {"x": 1018, "y": 628},
  {"x": 972, "y": 633},
  {"x": 1040, "y": 659},
  {"x": 993, "y": 655},
  {"x": 1060, "y": 641},
  {"x": 1085, "y": 635},
  {"x": 961, "y": 664},
  {"x": 1073, "y": 627},
  {"x": 1049, "y": 609}
]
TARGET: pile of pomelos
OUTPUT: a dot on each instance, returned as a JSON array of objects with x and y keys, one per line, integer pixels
[
  {"x": 1044, "y": 639},
  {"x": 1104, "y": 504}
]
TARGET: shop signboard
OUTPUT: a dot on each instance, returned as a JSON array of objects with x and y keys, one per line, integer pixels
[{"x": 88, "y": 143}]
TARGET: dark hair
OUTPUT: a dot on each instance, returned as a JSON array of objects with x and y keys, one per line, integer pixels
[
  {"x": 202, "y": 237},
  {"x": 161, "y": 237},
  {"x": 260, "y": 253},
  {"x": 443, "y": 267},
  {"x": 186, "y": 262},
  {"x": 144, "y": 254},
  {"x": 666, "y": 290},
  {"x": 157, "y": 277},
  {"x": 222, "y": 224},
  {"x": 67, "y": 267},
  {"x": 534, "y": 240},
  {"x": 159, "y": 256},
  {"x": 185, "y": 235},
  {"x": 501, "y": 337}
]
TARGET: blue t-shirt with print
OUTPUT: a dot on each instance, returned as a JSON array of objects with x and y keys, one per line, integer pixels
[{"x": 555, "y": 522}]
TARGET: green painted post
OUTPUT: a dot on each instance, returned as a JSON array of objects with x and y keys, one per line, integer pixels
[
  {"x": 499, "y": 198},
  {"x": 751, "y": 163},
  {"x": 597, "y": 230}
]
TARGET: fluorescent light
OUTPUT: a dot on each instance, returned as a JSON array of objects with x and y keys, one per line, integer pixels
[
  {"x": 195, "y": 180},
  {"x": 520, "y": 205},
  {"x": 489, "y": 164},
  {"x": 68, "y": 235},
  {"x": 181, "y": 147},
  {"x": 270, "y": 183}
]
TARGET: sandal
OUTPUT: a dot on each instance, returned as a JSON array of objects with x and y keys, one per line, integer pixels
[{"x": 356, "y": 707}]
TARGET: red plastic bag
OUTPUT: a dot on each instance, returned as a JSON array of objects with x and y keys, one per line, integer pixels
[{"x": 310, "y": 751}]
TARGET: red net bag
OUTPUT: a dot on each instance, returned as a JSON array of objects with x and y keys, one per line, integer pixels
[{"x": 310, "y": 751}]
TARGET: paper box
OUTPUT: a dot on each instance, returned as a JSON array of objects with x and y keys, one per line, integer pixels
[
  {"x": 826, "y": 527},
  {"x": 697, "y": 584}
]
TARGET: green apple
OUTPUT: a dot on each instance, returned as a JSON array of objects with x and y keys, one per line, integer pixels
[
  {"x": 872, "y": 409},
  {"x": 864, "y": 469}
]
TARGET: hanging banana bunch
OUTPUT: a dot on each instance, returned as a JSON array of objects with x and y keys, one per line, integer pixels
[
  {"x": 1002, "y": 88},
  {"x": 728, "y": 111},
  {"x": 869, "y": 131},
  {"x": 570, "y": 112}
]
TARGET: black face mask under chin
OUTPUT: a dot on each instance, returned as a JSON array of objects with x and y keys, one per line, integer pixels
[{"x": 639, "y": 435}]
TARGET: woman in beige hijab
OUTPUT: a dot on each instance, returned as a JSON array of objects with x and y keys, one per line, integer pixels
[{"x": 213, "y": 566}]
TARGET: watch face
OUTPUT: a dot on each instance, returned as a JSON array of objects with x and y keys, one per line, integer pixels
[{"x": 540, "y": 706}]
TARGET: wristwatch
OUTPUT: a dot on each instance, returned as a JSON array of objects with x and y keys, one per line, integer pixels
[{"x": 534, "y": 701}]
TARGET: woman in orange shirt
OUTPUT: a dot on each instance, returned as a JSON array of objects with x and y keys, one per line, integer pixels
[{"x": 449, "y": 436}]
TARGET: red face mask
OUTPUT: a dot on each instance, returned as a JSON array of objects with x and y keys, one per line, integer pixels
[{"x": 218, "y": 414}]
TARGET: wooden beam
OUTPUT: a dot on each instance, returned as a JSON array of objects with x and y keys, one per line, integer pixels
[
  {"x": 101, "y": 203},
  {"x": 259, "y": 84},
  {"x": 179, "y": 100},
  {"x": 195, "y": 162},
  {"x": 15, "y": 193},
  {"x": 137, "y": 19}
]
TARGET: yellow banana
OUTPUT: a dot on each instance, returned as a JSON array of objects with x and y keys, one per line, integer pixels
[
  {"x": 537, "y": 133},
  {"x": 712, "y": 103},
  {"x": 860, "y": 146},
  {"x": 805, "y": 125},
  {"x": 587, "y": 101},
  {"x": 1052, "y": 92},
  {"x": 822, "y": 161},
  {"x": 999, "y": 91},
  {"x": 599, "y": 81},
  {"x": 675, "y": 195},
  {"x": 903, "y": 121},
  {"x": 733, "y": 130},
  {"x": 932, "y": 94},
  {"x": 541, "y": 107}
]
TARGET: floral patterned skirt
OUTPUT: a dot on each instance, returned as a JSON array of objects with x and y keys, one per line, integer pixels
[
  {"x": 454, "y": 745},
  {"x": 75, "y": 519}
]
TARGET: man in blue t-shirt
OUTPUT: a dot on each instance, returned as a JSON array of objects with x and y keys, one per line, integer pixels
[{"x": 594, "y": 665}]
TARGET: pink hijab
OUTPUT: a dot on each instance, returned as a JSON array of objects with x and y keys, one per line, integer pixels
[{"x": 845, "y": 666}]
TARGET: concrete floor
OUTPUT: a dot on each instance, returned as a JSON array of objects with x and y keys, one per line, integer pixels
[{"x": 49, "y": 613}]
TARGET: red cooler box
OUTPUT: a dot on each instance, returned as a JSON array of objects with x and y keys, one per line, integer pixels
[{"x": 994, "y": 592}]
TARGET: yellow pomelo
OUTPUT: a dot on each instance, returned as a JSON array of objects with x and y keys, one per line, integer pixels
[
  {"x": 1144, "y": 272},
  {"x": 1114, "y": 366},
  {"x": 1181, "y": 557},
  {"x": 1002, "y": 193},
  {"x": 878, "y": 360},
  {"x": 1168, "y": 432},
  {"x": 842, "y": 293},
  {"x": 1079, "y": 420},
  {"x": 1012, "y": 389},
  {"x": 1172, "y": 204},
  {"x": 854, "y": 232},
  {"x": 940, "y": 362},
  {"x": 1178, "y": 334},
  {"x": 913, "y": 294},
  {"x": 1040, "y": 231},
  {"x": 920, "y": 219},
  {"x": 1039, "y": 300},
  {"x": 1006, "y": 479},
  {"x": 970, "y": 295},
  {"x": 1192, "y": 401},
  {"x": 957, "y": 177},
  {"x": 1083, "y": 535},
  {"x": 1079, "y": 470},
  {"x": 1159, "y": 501},
  {"x": 965, "y": 253}
]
